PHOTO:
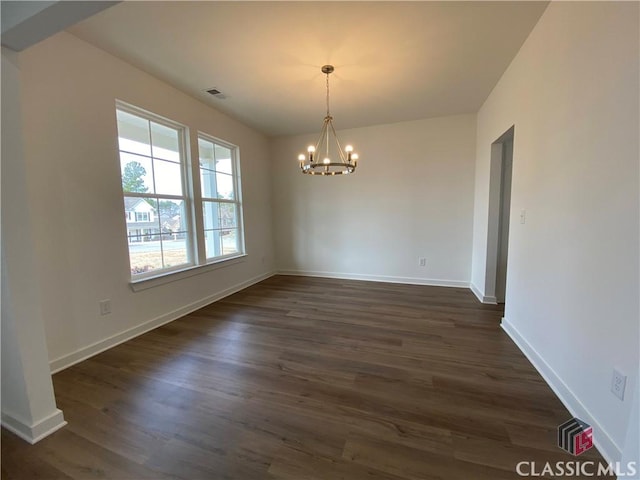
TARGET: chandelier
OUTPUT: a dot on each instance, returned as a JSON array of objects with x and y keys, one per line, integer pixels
[{"x": 318, "y": 160}]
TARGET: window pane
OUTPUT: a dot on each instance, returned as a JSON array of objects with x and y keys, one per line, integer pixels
[
  {"x": 133, "y": 133},
  {"x": 137, "y": 174},
  {"x": 144, "y": 256},
  {"x": 208, "y": 183},
  {"x": 173, "y": 217},
  {"x": 223, "y": 159},
  {"x": 227, "y": 215},
  {"x": 224, "y": 185},
  {"x": 216, "y": 169},
  {"x": 205, "y": 150},
  {"x": 212, "y": 243},
  {"x": 168, "y": 179},
  {"x": 211, "y": 215},
  {"x": 219, "y": 215},
  {"x": 229, "y": 241},
  {"x": 141, "y": 211},
  {"x": 221, "y": 242},
  {"x": 143, "y": 233},
  {"x": 174, "y": 248},
  {"x": 165, "y": 142}
]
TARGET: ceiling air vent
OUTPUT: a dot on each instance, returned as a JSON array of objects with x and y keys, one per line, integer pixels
[{"x": 216, "y": 93}]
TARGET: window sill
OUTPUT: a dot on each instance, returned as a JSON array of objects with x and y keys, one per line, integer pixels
[{"x": 164, "y": 278}]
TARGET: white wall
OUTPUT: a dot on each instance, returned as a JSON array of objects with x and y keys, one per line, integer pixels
[
  {"x": 631, "y": 452},
  {"x": 411, "y": 196},
  {"x": 73, "y": 176},
  {"x": 572, "y": 293},
  {"x": 28, "y": 405}
]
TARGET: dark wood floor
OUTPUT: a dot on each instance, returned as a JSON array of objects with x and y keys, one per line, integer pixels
[{"x": 305, "y": 378}]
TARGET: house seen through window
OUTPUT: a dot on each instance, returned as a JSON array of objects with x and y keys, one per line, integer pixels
[{"x": 170, "y": 225}]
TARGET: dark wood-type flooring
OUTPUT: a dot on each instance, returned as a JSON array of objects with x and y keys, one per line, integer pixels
[{"x": 305, "y": 378}]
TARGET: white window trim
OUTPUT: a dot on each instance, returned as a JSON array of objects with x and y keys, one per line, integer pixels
[
  {"x": 163, "y": 278},
  {"x": 237, "y": 188},
  {"x": 198, "y": 262},
  {"x": 187, "y": 196}
]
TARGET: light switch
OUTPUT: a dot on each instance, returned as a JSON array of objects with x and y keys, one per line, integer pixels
[{"x": 523, "y": 216}]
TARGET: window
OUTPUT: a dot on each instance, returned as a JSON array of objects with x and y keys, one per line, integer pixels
[
  {"x": 174, "y": 221},
  {"x": 220, "y": 198}
]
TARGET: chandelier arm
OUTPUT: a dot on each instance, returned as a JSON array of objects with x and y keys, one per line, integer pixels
[
  {"x": 323, "y": 133},
  {"x": 329, "y": 123},
  {"x": 338, "y": 143}
]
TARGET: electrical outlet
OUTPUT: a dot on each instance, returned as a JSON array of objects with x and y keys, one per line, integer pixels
[
  {"x": 422, "y": 261},
  {"x": 105, "y": 307},
  {"x": 618, "y": 384}
]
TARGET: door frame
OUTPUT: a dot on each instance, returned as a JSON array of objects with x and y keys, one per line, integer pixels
[{"x": 495, "y": 213}]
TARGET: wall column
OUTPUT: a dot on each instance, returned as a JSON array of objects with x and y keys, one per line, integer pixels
[{"x": 28, "y": 403}]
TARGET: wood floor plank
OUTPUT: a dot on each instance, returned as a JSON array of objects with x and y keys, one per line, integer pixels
[
  {"x": 305, "y": 378},
  {"x": 291, "y": 464},
  {"x": 410, "y": 463}
]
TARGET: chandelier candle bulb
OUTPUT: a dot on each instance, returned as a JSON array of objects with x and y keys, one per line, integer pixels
[
  {"x": 348, "y": 149},
  {"x": 343, "y": 162}
]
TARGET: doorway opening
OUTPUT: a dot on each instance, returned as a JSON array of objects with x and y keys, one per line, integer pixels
[{"x": 499, "y": 213}]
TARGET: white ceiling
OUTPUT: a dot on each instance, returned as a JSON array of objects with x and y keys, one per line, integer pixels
[{"x": 394, "y": 61}]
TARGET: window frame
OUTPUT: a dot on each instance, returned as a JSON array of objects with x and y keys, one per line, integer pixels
[
  {"x": 237, "y": 200},
  {"x": 192, "y": 200}
]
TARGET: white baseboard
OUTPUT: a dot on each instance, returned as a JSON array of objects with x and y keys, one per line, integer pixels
[
  {"x": 484, "y": 299},
  {"x": 379, "y": 278},
  {"x": 476, "y": 291},
  {"x": 35, "y": 432},
  {"x": 602, "y": 440},
  {"x": 81, "y": 354}
]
